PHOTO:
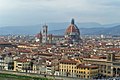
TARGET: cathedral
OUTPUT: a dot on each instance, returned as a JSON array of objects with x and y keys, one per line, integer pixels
[{"x": 72, "y": 33}]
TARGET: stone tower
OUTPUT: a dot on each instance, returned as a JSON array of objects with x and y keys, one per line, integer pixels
[
  {"x": 44, "y": 34},
  {"x": 40, "y": 37}
]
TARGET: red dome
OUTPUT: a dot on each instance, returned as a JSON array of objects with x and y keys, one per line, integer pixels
[{"x": 71, "y": 29}]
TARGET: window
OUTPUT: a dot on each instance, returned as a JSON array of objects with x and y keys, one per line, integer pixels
[
  {"x": 19, "y": 64},
  {"x": 87, "y": 76},
  {"x": 109, "y": 67},
  {"x": 84, "y": 72},
  {"x": 105, "y": 71},
  {"x": 109, "y": 72},
  {"x": 72, "y": 71},
  {"x": 69, "y": 66},
  {"x": 75, "y": 71},
  {"x": 64, "y": 66},
  {"x": 84, "y": 76},
  {"x": 65, "y": 70}
]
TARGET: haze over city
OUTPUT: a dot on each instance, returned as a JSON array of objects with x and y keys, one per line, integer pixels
[{"x": 32, "y": 12}]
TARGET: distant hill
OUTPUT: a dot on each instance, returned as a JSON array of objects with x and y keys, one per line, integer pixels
[
  {"x": 59, "y": 28},
  {"x": 94, "y": 31}
]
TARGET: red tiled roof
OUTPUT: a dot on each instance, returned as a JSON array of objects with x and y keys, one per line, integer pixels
[
  {"x": 71, "y": 28},
  {"x": 22, "y": 60},
  {"x": 44, "y": 54},
  {"x": 25, "y": 51},
  {"x": 98, "y": 57},
  {"x": 69, "y": 61},
  {"x": 113, "y": 49},
  {"x": 87, "y": 66}
]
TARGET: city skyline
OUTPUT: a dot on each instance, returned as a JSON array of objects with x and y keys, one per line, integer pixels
[
  {"x": 31, "y": 12},
  {"x": 59, "y": 40}
]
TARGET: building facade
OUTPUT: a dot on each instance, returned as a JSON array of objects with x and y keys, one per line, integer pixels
[
  {"x": 107, "y": 67},
  {"x": 44, "y": 34},
  {"x": 72, "y": 35},
  {"x": 74, "y": 68}
]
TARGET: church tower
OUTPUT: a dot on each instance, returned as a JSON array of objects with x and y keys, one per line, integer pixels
[
  {"x": 40, "y": 37},
  {"x": 44, "y": 34}
]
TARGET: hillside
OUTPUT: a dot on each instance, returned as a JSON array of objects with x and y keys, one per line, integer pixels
[{"x": 59, "y": 28}]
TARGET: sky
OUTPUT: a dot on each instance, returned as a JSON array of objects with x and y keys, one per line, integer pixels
[{"x": 32, "y": 12}]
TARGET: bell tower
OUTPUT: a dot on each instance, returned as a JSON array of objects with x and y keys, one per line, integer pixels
[
  {"x": 44, "y": 33},
  {"x": 40, "y": 37}
]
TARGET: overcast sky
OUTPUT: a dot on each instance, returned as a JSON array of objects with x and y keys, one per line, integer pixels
[{"x": 31, "y": 12}]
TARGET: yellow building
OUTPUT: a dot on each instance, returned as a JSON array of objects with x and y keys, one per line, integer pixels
[
  {"x": 67, "y": 67},
  {"x": 74, "y": 68},
  {"x": 86, "y": 71},
  {"x": 22, "y": 65}
]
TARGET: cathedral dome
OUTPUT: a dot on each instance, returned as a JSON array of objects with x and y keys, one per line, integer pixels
[
  {"x": 72, "y": 28},
  {"x": 72, "y": 33}
]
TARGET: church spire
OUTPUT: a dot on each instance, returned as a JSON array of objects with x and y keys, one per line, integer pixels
[{"x": 72, "y": 21}]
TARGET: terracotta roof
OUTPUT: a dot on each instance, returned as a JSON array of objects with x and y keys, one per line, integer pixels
[
  {"x": 71, "y": 28},
  {"x": 69, "y": 61},
  {"x": 113, "y": 49},
  {"x": 44, "y": 54},
  {"x": 87, "y": 66},
  {"x": 98, "y": 57},
  {"x": 25, "y": 51},
  {"x": 23, "y": 60}
]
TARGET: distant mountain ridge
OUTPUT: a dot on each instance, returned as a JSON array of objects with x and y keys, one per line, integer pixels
[
  {"x": 93, "y": 31},
  {"x": 59, "y": 29}
]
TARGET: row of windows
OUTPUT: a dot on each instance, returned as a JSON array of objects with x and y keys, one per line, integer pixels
[
  {"x": 83, "y": 76},
  {"x": 82, "y": 72},
  {"x": 106, "y": 71},
  {"x": 64, "y": 70},
  {"x": 79, "y": 71},
  {"x": 73, "y": 67}
]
